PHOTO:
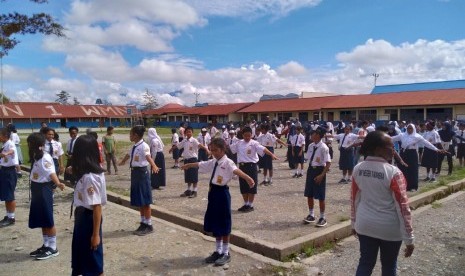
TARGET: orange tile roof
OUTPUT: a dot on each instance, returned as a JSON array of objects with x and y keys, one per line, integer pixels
[
  {"x": 168, "y": 108},
  {"x": 289, "y": 105},
  {"x": 218, "y": 109},
  {"x": 26, "y": 110}
]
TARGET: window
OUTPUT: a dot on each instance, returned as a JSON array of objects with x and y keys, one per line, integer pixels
[
  {"x": 367, "y": 115},
  {"x": 347, "y": 115}
]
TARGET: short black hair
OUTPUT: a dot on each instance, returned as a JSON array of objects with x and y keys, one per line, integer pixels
[
  {"x": 138, "y": 130},
  {"x": 373, "y": 140},
  {"x": 189, "y": 128},
  {"x": 86, "y": 156},
  {"x": 93, "y": 134},
  {"x": 5, "y": 132},
  {"x": 173, "y": 130},
  {"x": 73, "y": 128},
  {"x": 110, "y": 128},
  {"x": 246, "y": 129},
  {"x": 35, "y": 142},
  {"x": 382, "y": 128},
  {"x": 219, "y": 143}
]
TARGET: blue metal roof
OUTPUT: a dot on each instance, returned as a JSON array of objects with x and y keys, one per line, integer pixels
[{"x": 421, "y": 86}]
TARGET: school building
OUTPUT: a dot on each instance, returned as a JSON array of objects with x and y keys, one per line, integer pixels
[{"x": 28, "y": 115}]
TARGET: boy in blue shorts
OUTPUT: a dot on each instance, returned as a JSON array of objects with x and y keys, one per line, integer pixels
[
  {"x": 319, "y": 162},
  {"x": 8, "y": 177}
]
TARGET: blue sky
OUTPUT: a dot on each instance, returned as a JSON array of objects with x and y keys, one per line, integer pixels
[{"x": 230, "y": 50}]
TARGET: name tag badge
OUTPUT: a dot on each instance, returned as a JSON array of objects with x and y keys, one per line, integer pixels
[
  {"x": 190, "y": 148},
  {"x": 249, "y": 151},
  {"x": 55, "y": 152},
  {"x": 136, "y": 158},
  {"x": 317, "y": 160},
  {"x": 219, "y": 179},
  {"x": 79, "y": 196},
  {"x": 35, "y": 176}
]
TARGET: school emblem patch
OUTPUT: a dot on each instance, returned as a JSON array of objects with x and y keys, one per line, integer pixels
[
  {"x": 90, "y": 190},
  {"x": 48, "y": 164}
]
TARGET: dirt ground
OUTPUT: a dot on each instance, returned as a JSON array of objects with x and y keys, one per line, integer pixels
[{"x": 279, "y": 209}]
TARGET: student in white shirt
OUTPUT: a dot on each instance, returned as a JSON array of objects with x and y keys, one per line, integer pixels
[
  {"x": 247, "y": 156},
  {"x": 43, "y": 179},
  {"x": 267, "y": 139},
  {"x": 204, "y": 139},
  {"x": 430, "y": 156},
  {"x": 190, "y": 148},
  {"x": 218, "y": 215},
  {"x": 158, "y": 180},
  {"x": 298, "y": 144},
  {"x": 461, "y": 143},
  {"x": 73, "y": 134},
  {"x": 8, "y": 177},
  {"x": 346, "y": 157},
  {"x": 174, "y": 149},
  {"x": 141, "y": 191}
]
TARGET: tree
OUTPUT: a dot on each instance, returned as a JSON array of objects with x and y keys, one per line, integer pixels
[
  {"x": 16, "y": 23},
  {"x": 63, "y": 97},
  {"x": 4, "y": 99},
  {"x": 76, "y": 101},
  {"x": 150, "y": 101}
]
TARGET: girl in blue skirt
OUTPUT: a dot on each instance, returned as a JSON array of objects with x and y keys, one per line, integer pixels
[
  {"x": 89, "y": 196},
  {"x": 218, "y": 216},
  {"x": 43, "y": 178}
]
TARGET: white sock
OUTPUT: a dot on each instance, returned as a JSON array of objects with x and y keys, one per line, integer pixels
[
  {"x": 246, "y": 203},
  {"x": 189, "y": 188},
  {"x": 45, "y": 239},
  {"x": 142, "y": 219},
  {"x": 219, "y": 245},
  {"x": 10, "y": 215},
  {"x": 226, "y": 248},
  {"x": 148, "y": 221},
  {"x": 251, "y": 204},
  {"x": 52, "y": 242},
  {"x": 322, "y": 215},
  {"x": 195, "y": 189},
  {"x": 296, "y": 171},
  {"x": 312, "y": 212}
]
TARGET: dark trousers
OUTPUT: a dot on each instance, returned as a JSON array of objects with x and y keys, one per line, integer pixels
[
  {"x": 369, "y": 247},
  {"x": 110, "y": 157}
]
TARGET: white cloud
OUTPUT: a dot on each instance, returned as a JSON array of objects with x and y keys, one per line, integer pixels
[
  {"x": 292, "y": 68},
  {"x": 250, "y": 8}
]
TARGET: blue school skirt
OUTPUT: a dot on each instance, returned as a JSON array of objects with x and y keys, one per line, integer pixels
[
  {"x": 218, "y": 216},
  {"x": 84, "y": 260},
  {"x": 159, "y": 179},
  {"x": 316, "y": 191},
  {"x": 41, "y": 208},
  {"x": 249, "y": 169},
  {"x": 141, "y": 192},
  {"x": 267, "y": 161},
  {"x": 176, "y": 153},
  {"x": 298, "y": 159},
  {"x": 203, "y": 155},
  {"x": 191, "y": 175},
  {"x": 8, "y": 180},
  {"x": 346, "y": 159},
  {"x": 429, "y": 158}
]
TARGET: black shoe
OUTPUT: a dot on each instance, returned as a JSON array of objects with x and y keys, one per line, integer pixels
[
  {"x": 7, "y": 222},
  {"x": 249, "y": 209},
  {"x": 263, "y": 182},
  {"x": 299, "y": 175},
  {"x": 295, "y": 176},
  {"x": 140, "y": 229},
  {"x": 224, "y": 259},
  {"x": 213, "y": 257},
  {"x": 193, "y": 194},
  {"x": 342, "y": 181},
  {"x": 145, "y": 231},
  {"x": 187, "y": 193},
  {"x": 432, "y": 180},
  {"x": 47, "y": 253},
  {"x": 309, "y": 219},
  {"x": 321, "y": 222},
  {"x": 243, "y": 208},
  {"x": 427, "y": 179},
  {"x": 38, "y": 251}
]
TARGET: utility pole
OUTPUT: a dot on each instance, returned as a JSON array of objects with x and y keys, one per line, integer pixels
[
  {"x": 197, "y": 97},
  {"x": 375, "y": 76}
]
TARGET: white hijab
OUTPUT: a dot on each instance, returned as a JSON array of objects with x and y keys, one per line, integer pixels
[
  {"x": 152, "y": 133},
  {"x": 410, "y": 139}
]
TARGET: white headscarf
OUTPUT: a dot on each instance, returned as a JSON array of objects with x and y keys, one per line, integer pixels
[
  {"x": 410, "y": 139},
  {"x": 152, "y": 133}
]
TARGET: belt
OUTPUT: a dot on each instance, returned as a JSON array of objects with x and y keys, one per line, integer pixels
[
  {"x": 316, "y": 167},
  {"x": 138, "y": 168},
  {"x": 8, "y": 168},
  {"x": 246, "y": 163}
]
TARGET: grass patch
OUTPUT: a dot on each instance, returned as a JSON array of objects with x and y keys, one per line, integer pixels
[
  {"x": 343, "y": 218},
  {"x": 436, "y": 205},
  {"x": 120, "y": 191},
  {"x": 280, "y": 270}
]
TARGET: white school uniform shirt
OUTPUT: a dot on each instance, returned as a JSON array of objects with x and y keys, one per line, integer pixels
[
  {"x": 190, "y": 146},
  {"x": 14, "y": 137},
  {"x": 321, "y": 154},
  {"x": 460, "y": 133},
  {"x": 348, "y": 141},
  {"x": 231, "y": 141},
  {"x": 155, "y": 147},
  {"x": 140, "y": 153},
  {"x": 204, "y": 140},
  {"x": 225, "y": 135},
  {"x": 299, "y": 138},
  {"x": 175, "y": 139},
  {"x": 90, "y": 190},
  {"x": 70, "y": 145},
  {"x": 57, "y": 148},
  {"x": 213, "y": 131},
  {"x": 267, "y": 139},
  {"x": 224, "y": 170},
  {"x": 42, "y": 169},
  {"x": 12, "y": 159},
  {"x": 247, "y": 152},
  {"x": 432, "y": 137}
]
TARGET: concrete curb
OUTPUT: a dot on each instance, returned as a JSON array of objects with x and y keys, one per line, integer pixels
[{"x": 282, "y": 251}]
